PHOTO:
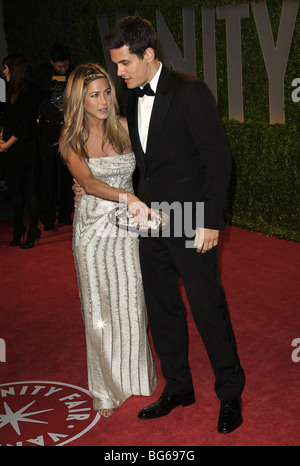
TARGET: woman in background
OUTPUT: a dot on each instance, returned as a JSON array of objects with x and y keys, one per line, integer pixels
[
  {"x": 18, "y": 141},
  {"x": 95, "y": 144}
]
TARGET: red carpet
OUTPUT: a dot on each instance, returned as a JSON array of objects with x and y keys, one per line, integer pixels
[{"x": 43, "y": 332}]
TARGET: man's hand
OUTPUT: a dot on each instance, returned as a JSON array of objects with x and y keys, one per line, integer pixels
[
  {"x": 78, "y": 192},
  {"x": 205, "y": 239}
]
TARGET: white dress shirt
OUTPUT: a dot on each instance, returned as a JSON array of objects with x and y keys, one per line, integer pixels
[{"x": 145, "y": 106}]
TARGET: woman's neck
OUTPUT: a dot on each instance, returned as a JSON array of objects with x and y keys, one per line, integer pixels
[{"x": 96, "y": 127}]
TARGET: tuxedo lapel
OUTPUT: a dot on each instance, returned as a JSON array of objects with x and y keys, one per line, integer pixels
[
  {"x": 132, "y": 118},
  {"x": 161, "y": 104}
]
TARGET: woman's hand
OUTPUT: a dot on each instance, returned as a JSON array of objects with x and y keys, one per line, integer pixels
[
  {"x": 139, "y": 209},
  {"x": 3, "y": 146}
]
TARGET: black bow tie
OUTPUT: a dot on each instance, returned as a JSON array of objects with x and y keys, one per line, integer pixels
[{"x": 145, "y": 91}]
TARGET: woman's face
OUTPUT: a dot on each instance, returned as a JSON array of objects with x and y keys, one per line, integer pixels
[
  {"x": 6, "y": 73},
  {"x": 97, "y": 101}
]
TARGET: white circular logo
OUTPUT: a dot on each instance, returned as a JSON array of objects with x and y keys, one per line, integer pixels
[{"x": 44, "y": 413}]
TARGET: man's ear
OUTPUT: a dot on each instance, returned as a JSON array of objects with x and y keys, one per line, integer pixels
[{"x": 149, "y": 55}]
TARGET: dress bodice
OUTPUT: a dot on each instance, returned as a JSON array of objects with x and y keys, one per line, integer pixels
[
  {"x": 115, "y": 170},
  {"x": 92, "y": 211}
]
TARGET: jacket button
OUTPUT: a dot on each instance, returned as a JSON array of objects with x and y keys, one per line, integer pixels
[{"x": 147, "y": 178}]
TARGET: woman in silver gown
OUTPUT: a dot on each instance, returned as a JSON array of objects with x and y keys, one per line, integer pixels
[{"x": 95, "y": 145}]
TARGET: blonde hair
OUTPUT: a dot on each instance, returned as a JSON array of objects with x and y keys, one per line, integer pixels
[{"x": 75, "y": 130}]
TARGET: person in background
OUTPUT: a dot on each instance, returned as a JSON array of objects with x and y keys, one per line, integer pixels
[
  {"x": 3, "y": 186},
  {"x": 56, "y": 197},
  {"x": 18, "y": 145},
  {"x": 96, "y": 148}
]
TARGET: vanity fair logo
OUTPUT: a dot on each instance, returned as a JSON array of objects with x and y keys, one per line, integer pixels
[{"x": 44, "y": 413}]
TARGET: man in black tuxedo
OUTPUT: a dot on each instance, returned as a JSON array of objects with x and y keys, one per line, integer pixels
[{"x": 183, "y": 156}]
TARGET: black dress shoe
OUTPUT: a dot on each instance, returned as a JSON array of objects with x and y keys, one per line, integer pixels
[
  {"x": 230, "y": 417},
  {"x": 165, "y": 404}
]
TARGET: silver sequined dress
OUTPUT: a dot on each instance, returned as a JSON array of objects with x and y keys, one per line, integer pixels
[{"x": 119, "y": 358}]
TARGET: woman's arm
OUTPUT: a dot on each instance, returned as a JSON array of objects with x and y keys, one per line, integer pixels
[
  {"x": 81, "y": 172},
  {"x": 4, "y": 146}
]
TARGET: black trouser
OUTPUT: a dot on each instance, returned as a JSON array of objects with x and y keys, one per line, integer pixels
[
  {"x": 21, "y": 181},
  {"x": 163, "y": 262},
  {"x": 55, "y": 179}
]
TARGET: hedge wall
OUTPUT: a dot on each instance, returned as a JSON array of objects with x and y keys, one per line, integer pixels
[{"x": 264, "y": 192}]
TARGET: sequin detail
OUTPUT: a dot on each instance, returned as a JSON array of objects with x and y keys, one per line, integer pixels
[{"x": 119, "y": 358}]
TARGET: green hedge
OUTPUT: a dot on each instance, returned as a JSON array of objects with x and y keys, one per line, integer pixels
[{"x": 264, "y": 192}]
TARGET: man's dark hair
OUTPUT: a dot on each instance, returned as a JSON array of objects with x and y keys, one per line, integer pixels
[
  {"x": 135, "y": 32},
  {"x": 59, "y": 52}
]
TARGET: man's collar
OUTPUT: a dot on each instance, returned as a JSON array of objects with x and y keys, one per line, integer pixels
[{"x": 154, "y": 81}]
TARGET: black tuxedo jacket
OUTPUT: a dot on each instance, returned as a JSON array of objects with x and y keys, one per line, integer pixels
[{"x": 187, "y": 157}]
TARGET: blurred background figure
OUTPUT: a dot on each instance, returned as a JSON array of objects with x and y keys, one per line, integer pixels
[
  {"x": 56, "y": 196},
  {"x": 18, "y": 145},
  {"x": 3, "y": 186}
]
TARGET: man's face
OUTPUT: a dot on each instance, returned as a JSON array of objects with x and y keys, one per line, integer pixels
[
  {"x": 61, "y": 67},
  {"x": 134, "y": 71}
]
